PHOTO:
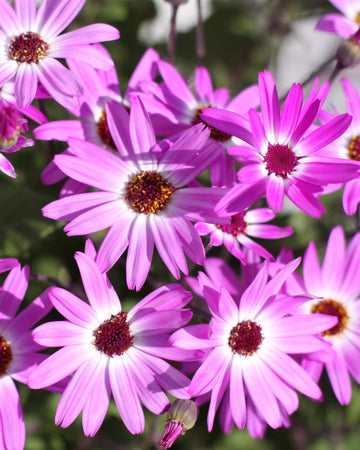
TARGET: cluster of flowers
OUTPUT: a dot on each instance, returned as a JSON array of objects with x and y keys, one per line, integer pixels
[{"x": 131, "y": 168}]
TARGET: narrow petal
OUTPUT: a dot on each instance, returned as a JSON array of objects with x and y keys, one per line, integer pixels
[
  {"x": 140, "y": 252},
  {"x": 114, "y": 244},
  {"x": 140, "y": 127},
  {"x": 26, "y": 81},
  {"x": 339, "y": 378},
  {"x": 237, "y": 393},
  {"x": 275, "y": 192},
  {"x": 58, "y": 365},
  {"x": 11, "y": 415},
  {"x": 203, "y": 85},
  {"x": 125, "y": 394},
  {"x": 95, "y": 286}
]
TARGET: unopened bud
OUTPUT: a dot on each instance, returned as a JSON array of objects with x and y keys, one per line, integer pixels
[
  {"x": 181, "y": 417},
  {"x": 348, "y": 53}
]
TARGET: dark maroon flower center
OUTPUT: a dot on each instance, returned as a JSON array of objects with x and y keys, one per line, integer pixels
[
  {"x": 113, "y": 336},
  {"x": 5, "y": 355},
  {"x": 148, "y": 192},
  {"x": 246, "y": 338},
  {"x": 236, "y": 226},
  {"x": 104, "y": 132},
  {"x": 354, "y": 148},
  {"x": 216, "y": 134},
  {"x": 280, "y": 160},
  {"x": 332, "y": 308},
  {"x": 28, "y": 48}
]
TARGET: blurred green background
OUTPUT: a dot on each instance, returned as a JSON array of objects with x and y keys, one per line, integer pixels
[{"x": 242, "y": 37}]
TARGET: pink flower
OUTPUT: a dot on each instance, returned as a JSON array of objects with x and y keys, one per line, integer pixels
[
  {"x": 345, "y": 24},
  {"x": 281, "y": 156},
  {"x": 336, "y": 282},
  {"x": 347, "y": 146},
  {"x": 140, "y": 198},
  {"x": 12, "y": 124},
  {"x": 173, "y": 107},
  {"x": 112, "y": 351},
  {"x": 100, "y": 87},
  {"x": 30, "y": 45},
  {"x": 19, "y": 355},
  {"x": 252, "y": 342}
]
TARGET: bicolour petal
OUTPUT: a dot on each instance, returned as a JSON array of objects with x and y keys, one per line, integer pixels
[
  {"x": 206, "y": 376},
  {"x": 114, "y": 244},
  {"x": 9, "y": 21},
  {"x": 13, "y": 290},
  {"x": 270, "y": 107},
  {"x": 68, "y": 208},
  {"x": 338, "y": 24},
  {"x": 26, "y": 80},
  {"x": 11, "y": 415},
  {"x": 61, "y": 333},
  {"x": 78, "y": 390},
  {"x": 96, "y": 288},
  {"x": 203, "y": 85},
  {"x": 140, "y": 252},
  {"x": 237, "y": 393},
  {"x": 339, "y": 377},
  {"x": 275, "y": 191},
  {"x": 334, "y": 260},
  {"x": 54, "y": 16},
  {"x": 125, "y": 394},
  {"x": 58, "y": 365},
  {"x": 72, "y": 308},
  {"x": 97, "y": 404}
]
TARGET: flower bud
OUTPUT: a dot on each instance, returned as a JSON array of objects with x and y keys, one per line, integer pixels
[
  {"x": 181, "y": 417},
  {"x": 348, "y": 53}
]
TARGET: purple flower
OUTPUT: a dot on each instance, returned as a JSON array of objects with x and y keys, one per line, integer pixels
[
  {"x": 345, "y": 24},
  {"x": 281, "y": 156},
  {"x": 235, "y": 235},
  {"x": 252, "y": 343},
  {"x": 173, "y": 106},
  {"x": 19, "y": 355},
  {"x": 112, "y": 351},
  {"x": 336, "y": 282},
  {"x": 12, "y": 124},
  {"x": 30, "y": 45},
  {"x": 347, "y": 146},
  {"x": 141, "y": 197},
  {"x": 7, "y": 264},
  {"x": 100, "y": 87}
]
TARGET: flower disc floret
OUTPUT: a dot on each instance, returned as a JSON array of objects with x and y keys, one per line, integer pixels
[
  {"x": 236, "y": 226},
  {"x": 113, "y": 336},
  {"x": 215, "y": 134},
  {"x": 5, "y": 356},
  {"x": 148, "y": 192},
  {"x": 104, "y": 132},
  {"x": 332, "y": 308},
  {"x": 28, "y": 48},
  {"x": 280, "y": 160},
  {"x": 245, "y": 338},
  {"x": 354, "y": 148}
]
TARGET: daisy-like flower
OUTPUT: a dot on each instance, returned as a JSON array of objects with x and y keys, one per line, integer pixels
[
  {"x": 141, "y": 197},
  {"x": 252, "y": 342},
  {"x": 100, "y": 87},
  {"x": 174, "y": 107},
  {"x": 12, "y": 124},
  {"x": 236, "y": 235},
  {"x": 112, "y": 351},
  {"x": 30, "y": 43},
  {"x": 337, "y": 283},
  {"x": 19, "y": 355},
  {"x": 345, "y": 24},
  {"x": 348, "y": 145},
  {"x": 282, "y": 157}
]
